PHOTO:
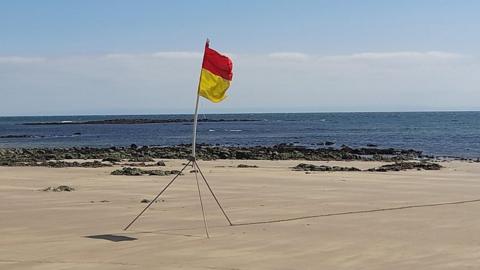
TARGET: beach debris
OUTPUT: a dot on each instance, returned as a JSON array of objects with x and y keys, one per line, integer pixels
[
  {"x": 59, "y": 189},
  {"x": 138, "y": 172},
  {"x": 323, "y": 168},
  {"x": 407, "y": 165},
  {"x": 246, "y": 166}
]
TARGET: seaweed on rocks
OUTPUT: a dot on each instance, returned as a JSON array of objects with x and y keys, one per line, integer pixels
[
  {"x": 138, "y": 172},
  {"x": 323, "y": 168},
  {"x": 246, "y": 166},
  {"x": 59, "y": 189},
  {"x": 26, "y": 157},
  {"x": 402, "y": 166}
]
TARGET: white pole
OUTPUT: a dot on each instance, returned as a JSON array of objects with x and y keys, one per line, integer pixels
[
  {"x": 195, "y": 117},
  {"x": 195, "y": 120}
]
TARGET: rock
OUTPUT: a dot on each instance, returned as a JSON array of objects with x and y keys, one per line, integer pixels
[
  {"x": 157, "y": 172},
  {"x": 329, "y": 143},
  {"x": 63, "y": 164},
  {"x": 246, "y": 166},
  {"x": 137, "y": 172},
  {"x": 160, "y": 163},
  {"x": 243, "y": 154},
  {"x": 402, "y": 166},
  {"x": 112, "y": 159},
  {"x": 371, "y": 145},
  {"x": 59, "y": 189},
  {"x": 39, "y": 157},
  {"x": 128, "y": 171},
  {"x": 94, "y": 164},
  {"x": 16, "y": 136},
  {"x": 323, "y": 168},
  {"x": 135, "y": 121},
  {"x": 141, "y": 159}
]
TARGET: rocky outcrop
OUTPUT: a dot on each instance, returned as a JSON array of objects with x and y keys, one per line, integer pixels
[
  {"x": 59, "y": 189},
  {"x": 138, "y": 172},
  {"x": 323, "y": 168},
  {"x": 34, "y": 157},
  {"x": 123, "y": 121},
  {"x": 402, "y": 166},
  {"x": 397, "y": 166},
  {"x": 246, "y": 166}
]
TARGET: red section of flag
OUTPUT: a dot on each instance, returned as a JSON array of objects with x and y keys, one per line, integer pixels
[{"x": 217, "y": 63}]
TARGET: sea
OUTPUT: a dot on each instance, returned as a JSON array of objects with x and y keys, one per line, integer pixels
[{"x": 449, "y": 134}]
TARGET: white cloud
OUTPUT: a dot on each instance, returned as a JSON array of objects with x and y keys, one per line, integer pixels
[
  {"x": 178, "y": 55},
  {"x": 165, "y": 55},
  {"x": 120, "y": 56},
  {"x": 288, "y": 56},
  {"x": 401, "y": 55},
  {"x": 144, "y": 82},
  {"x": 20, "y": 60}
]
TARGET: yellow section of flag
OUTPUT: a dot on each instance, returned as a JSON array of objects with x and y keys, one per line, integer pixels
[
  {"x": 212, "y": 87},
  {"x": 215, "y": 76}
]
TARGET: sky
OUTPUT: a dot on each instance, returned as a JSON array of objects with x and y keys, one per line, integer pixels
[{"x": 144, "y": 57}]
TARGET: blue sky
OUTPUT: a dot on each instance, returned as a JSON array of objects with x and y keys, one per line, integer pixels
[{"x": 89, "y": 57}]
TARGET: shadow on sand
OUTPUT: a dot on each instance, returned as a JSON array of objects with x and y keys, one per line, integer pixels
[{"x": 111, "y": 237}]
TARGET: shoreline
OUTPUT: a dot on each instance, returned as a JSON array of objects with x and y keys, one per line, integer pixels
[
  {"x": 13, "y": 156},
  {"x": 93, "y": 156}
]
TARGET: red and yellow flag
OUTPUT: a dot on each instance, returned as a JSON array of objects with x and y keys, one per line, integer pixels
[{"x": 215, "y": 76}]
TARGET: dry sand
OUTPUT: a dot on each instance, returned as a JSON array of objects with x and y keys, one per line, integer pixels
[{"x": 50, "y": 230}]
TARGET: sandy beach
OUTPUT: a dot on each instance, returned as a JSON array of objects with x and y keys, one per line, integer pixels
[{"x": 326, "y": 219}]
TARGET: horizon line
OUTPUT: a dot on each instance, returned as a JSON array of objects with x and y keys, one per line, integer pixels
[{"x": 300, "y": 112}]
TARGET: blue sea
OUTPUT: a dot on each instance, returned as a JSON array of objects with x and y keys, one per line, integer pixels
[{"x": 436, "y": 133}]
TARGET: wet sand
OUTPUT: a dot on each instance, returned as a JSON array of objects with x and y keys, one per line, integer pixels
[{"x": 283, "y": 219}]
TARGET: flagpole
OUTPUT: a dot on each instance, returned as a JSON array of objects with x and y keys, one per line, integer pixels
[
  {"x": 195, "y": 117},
  {"x": 191, "y": 161},
  {"x": 195, "y": 120}
]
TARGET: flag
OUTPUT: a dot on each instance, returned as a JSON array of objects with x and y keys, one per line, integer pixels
[{"x": 215, "y": 76}]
